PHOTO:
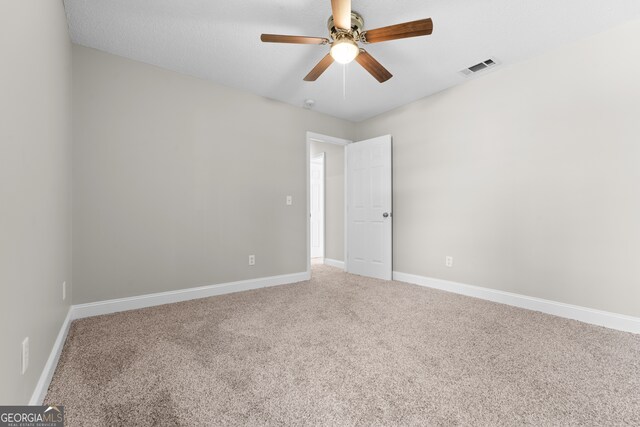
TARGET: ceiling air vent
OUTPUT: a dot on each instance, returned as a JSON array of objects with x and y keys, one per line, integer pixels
[{"x": 480, "y": 66}]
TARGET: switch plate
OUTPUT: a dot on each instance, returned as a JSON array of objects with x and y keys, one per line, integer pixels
[
  {"x": 25, "y": 355},
  {"x": 289, "y": 200},
  {"x": 64, "y": 291},
  {"x": 252, "y": 260},
  {"x": 448, "y": 261}
]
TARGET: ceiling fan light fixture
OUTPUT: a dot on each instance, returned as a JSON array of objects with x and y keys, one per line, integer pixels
[{"x": 344, "y": 50}]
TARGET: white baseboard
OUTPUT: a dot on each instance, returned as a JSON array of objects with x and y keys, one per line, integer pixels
[
  {"x": 80, "y": 311},
  {"x": 334, "y": 263},
  {"x": 131, "y": 303},
  {"x": 588, "y": 315},
  {"x": 50, "y": 367},
  {"x": 607, "y": 319}
]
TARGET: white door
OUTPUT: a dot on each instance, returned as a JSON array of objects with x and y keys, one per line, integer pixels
[
  {"x": 317, "y": 206},
  {"x": 369, "y": 224}
]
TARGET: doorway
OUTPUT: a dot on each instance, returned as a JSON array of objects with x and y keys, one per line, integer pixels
[
  {"x": 354, "y": 231},
  {"x": 326, "y": 189}
]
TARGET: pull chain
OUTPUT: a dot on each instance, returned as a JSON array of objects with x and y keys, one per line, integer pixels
[{"x": 344, "y": 81}]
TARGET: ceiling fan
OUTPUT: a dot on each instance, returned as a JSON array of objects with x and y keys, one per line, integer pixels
[{"x": 346, "y": 31}]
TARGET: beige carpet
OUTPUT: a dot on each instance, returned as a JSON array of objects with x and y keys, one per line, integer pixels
[{"x": 345, "y": 350}]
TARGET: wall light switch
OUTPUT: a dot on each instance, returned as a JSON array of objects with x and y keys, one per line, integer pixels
[{"x": 289, "y": 200}]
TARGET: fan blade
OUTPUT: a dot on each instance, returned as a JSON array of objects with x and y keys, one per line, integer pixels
[
  {"x": 374, "y": 68},
  {"x": 319, "y": 68},
  {"x": 277, "y": 38},
  {"x": 341, "y": 10},
  {"x": 422, "y": 27}
]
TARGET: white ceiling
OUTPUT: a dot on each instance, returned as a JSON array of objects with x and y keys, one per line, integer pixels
[{"x": 220, "y": 41}]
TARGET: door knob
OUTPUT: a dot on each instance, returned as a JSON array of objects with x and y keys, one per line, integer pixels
[{"x": 386, "y": 214}]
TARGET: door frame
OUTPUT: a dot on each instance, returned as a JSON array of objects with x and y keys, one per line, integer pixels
[
  {"x": 318, "y": 137},
  {"x": 320, "y": 158}
]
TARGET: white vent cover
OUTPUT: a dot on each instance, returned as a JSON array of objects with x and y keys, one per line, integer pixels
[{"x": 480, "y": 66}]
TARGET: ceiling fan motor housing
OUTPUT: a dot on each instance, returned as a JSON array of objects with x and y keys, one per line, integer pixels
[{"x": 357, "y": 23}]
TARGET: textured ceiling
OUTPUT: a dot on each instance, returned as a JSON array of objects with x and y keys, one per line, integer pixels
[{"x": 220, "y": 41}]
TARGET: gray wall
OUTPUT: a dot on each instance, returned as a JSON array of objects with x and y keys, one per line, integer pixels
[
  {"x": 35, "y": 187},
  {"x": 525, "y": 176},
  {"x": 528, "y": 177},
  {"x": 334, "y": 198},
  {"x": 177, "y": 180}
]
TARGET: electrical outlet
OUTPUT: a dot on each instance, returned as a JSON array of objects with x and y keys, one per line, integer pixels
[
  {"x": 25, "y": 355},
  {"x": 64, "y": 291},
  {"x": 252, "y": 260},
  {"x": 289, "y": 200},
  {"x": 448, "y": 261}
]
